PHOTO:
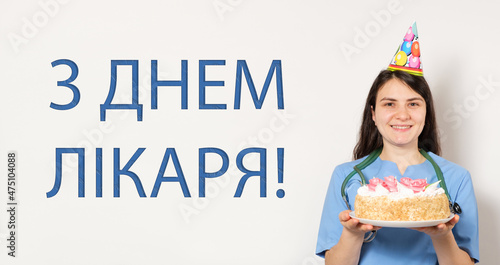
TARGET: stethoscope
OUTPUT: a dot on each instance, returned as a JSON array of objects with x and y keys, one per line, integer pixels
[{"x": 454, "y": 207}]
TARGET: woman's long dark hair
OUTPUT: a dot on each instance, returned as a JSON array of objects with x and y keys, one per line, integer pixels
[{"x": 369, "y": 137}]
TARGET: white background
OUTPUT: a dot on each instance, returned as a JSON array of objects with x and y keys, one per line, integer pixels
[{"x": 324, "y": 90}]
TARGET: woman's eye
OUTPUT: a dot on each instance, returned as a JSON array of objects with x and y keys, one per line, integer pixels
[{"x": 414, "y": 104}]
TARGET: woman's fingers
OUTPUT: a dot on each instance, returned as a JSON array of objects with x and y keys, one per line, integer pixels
[
  {"x": 354, "y": 225},
  {"x": 440, "y": 229},
  {"x": 344, "y": 216}
]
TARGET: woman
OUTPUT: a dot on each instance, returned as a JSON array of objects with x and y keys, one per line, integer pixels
[{"x": 399, "y": 117}]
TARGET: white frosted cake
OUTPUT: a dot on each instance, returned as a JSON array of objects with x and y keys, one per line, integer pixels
[{"x": 407, "y": 200}]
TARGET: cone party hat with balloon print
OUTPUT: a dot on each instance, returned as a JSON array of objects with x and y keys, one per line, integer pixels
[{"x": 407, "y": 57}]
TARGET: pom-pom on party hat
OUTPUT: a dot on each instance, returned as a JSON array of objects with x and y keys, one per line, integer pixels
[{"x": 407, "y": 57}]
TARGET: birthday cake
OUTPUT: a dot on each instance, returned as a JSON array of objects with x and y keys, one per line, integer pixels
[{"x": 404, "y": 200}]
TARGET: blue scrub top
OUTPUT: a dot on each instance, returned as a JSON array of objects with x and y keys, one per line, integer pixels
[{"x": 401, "y": 245}]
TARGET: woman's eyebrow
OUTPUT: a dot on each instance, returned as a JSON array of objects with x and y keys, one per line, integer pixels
[{"x": 393, "y": 99}]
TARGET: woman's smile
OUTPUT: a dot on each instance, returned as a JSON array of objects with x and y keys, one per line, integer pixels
[{"x": 401, "y": 127}]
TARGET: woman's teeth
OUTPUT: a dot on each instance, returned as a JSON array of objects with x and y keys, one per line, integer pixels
[{"x": 400, "y": 127}]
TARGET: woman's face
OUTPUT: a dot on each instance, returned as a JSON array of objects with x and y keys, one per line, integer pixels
[{"x": 399, "y": 114}]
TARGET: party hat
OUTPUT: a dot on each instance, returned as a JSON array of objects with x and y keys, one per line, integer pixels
[{"x": 407, "y": 57}]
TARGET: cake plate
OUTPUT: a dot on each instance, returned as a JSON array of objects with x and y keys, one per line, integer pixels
[{"x": 401, "y": 224}]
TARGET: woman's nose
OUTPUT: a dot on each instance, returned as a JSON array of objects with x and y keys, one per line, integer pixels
[{"x": 403, "y": 114}]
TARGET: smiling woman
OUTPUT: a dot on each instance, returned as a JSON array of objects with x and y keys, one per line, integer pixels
[
  {"x": 398, "y": 140},
  {"x": 398, "y": 137}
]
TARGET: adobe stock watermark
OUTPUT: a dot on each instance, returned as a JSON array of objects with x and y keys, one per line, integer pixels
[
  {"x": 224, "y": 6},
  {"x": 194, "y": 206},
  {"x": 363, "y": 37},
  {"x": 96, "y": 136},
  {"x": 31, "y": 26},
  {"x": 459, "y": 112}
]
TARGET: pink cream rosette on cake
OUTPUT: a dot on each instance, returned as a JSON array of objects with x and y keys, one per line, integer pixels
[
  {"x": 418, "y": 185},
  {"x": 405, "y": 181},
  {"x": 373, "y": 183},
  {"x": 390, "y": 183}
]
